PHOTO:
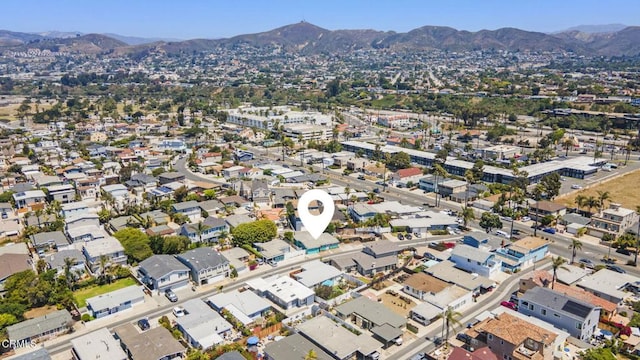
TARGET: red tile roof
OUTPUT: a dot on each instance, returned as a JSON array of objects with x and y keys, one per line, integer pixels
[{"x": 409, "y": 172}]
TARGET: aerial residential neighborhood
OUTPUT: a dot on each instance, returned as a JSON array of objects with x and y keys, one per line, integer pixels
[{"x": 477, "y": 191}]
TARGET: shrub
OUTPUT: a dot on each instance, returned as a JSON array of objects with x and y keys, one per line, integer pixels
[{"x": 86, "y": 317}]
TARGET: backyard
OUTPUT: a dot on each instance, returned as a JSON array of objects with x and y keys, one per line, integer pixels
[
  {"x": 82, "y": 295},
  {"x": 618, "y": 189}
]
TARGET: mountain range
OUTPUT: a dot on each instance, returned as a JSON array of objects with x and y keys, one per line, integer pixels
[{"x": 306, "y": 38}]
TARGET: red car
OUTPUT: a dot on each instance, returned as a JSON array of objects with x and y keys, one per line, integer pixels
[{"x": 510, "y": 305}]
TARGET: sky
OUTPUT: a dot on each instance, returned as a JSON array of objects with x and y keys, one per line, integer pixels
[{"x": 187, "y": 19}]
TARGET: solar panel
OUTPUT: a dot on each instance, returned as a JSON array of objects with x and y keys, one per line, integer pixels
[{"x": 574, "y": 308}]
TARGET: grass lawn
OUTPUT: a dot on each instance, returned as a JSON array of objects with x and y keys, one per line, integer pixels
[
  {"x": 620, "y": 190},
  {"x": 82, "y": 295}
]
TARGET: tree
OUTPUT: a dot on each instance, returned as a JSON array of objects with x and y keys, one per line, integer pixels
[
  {"x": 441, "y": 173},
  {"x": 551, "y": 184},
  {"x": 467, "y": 214},
  {"x": 136, "y": 244},
  {"x": 7, "y": 320},
  {"x": 567, "y": 144},
  {"x": 200, "y": 229},
  {"x": 557, "y": 263},
  {"x": 602, "y": 197},
  {"x": 210, "y": 194},
  {"x": 254, "y": 232},
  {"x": 450, "y": 318},
  {"x": 537, "y": 196},
  {"x": 574, "y": 247},
  {"x": 180, "y": 193},
  {"x": 399, "y": 160},
  {"x": 598, "y": 354},
  {"x": 580, "y": 201},
  {"x": 489, "y": 221}
]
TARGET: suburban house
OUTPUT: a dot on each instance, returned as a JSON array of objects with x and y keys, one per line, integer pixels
[
  {"x": 476, "y": 260},
  {"x": 522, "y": 253},
  {"x": 425, "y": 221},
  {"x": 238, "y": 258},
  {"x": 510, "y": 337},
  {"x": 201, "y": 326},
  {"x": 57, "y": 261},
  {"x": 12, "y": 264},
  {"x": 109, "y": 247},
  {"x": 118, "y": 192},
  {"x": 207, "y": 266},
  {"x": 169, "y": 177},
  {"x": 370, "y": 315},
  {"x": 294, "y": 346},
  {"x": 283, "y": 291},
  {"x": 544, "y": 208},
  {"x": 608, "y": 285},
  {"x": 376, "y": 257},
  {"x": 315, "y": 273},
  {"x": 40, "y": 328},
  {"x": 156, "y": 343},
  {"x": 614, "y": 221},
  {"x": 213, "y": 227},
  {"x": 419, "y": 285},
  {"x": 447, "y": 271},
  {"x": 30, "y": 200},
  {"x": 115, "y": 301},
  {"x": 83, "y": 227},
  {"x": 64, "y": 193},
  {"x": 99, "y": 344},
  {"x": 425, "y": 313},
  {"x": 190, "y": 209},
  {"x": 361, "y": 212},
  {"x": 274, "y": 250},
  {"x": 336, "y": 340},
  {"x": 245, "y": 306},
  {"x": 260, "y": 193},
  {"x": 38, "y": 354},
  {"x": 578, "y": 318},
  {"x": 49, "y": 240},
  {"x": 71, "y": 208},
  {"x": 304, "y": 240},
  {"x": 161, "y": 272}
]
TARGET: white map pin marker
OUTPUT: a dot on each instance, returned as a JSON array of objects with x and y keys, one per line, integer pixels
[{"x": 315, "y": 224}]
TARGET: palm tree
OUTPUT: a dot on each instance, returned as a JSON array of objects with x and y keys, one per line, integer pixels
[
  {"x": 580, "y": 201},
  {"x": 602, "y": 197},
  {"x": 591, "y": 203},
  {"x": 68, "y": 264},
  {"x": 467, "y": 214},
  {"x": 104, "y": 261},
  {"x": 450, "y": 318},
  {"x": 574, "y": 247},
  {"x": 567, "y": 144},
  {"x": 557, "y": 263},
  {"x": 439, "y": 172},
  {"x": 200, "y": 229}
]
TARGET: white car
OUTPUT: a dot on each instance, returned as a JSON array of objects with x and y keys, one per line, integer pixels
[
  {"x": 525, "y": 219},
  {"x": 576, "y": 186},
  {"x": 178, "y": 311}
]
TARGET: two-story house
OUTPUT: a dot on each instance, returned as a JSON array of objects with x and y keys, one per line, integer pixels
[
  {"x": 260, "y": 193},
  {"x": 614, "y": 221},
  {"x": 30, "y": 200},
  {"x": 577, "y": 317},
  {"x": 161, "y": 272},
  {"x": 522, "y": 253},
  {"x": 283, "y": 290},
  {"x": 206, "y": 265},
  {"x": 211, "y": 229},
  {"x": 108, "y": 247},
  {"x": 476, "y": 260},
  {"x": 511, "y": 337},
  {"x": 64, "y": 193},
  {"x": 190, "y": 209}
]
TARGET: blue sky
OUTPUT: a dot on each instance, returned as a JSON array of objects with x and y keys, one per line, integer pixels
[{"x": 187, "y": 19}]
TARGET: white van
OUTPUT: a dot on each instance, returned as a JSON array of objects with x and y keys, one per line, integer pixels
[{"x": 502, "y": 234}]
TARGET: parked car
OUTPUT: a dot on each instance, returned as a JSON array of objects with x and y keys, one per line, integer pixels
[
  {"x": 400, "y": 237},
  {"x": 616, "y": 268},
  {"x": 178, "y": 311},
  {"x": 608, "y": 260},
  {"x": 144, "y": 324},
  {"x": 549, "y": 230},
  {"x": 525, "y": 219},
  {"x": 587, "y": 263},
  {"x": 5, "y": 215},
  {"x": 623, "y": 251},
  {"x": 417, "y": 235},
  {"x": 376, "y": 191},
  {"x": 576, "y": 186},
  {"x": 171, "y": 295},
  {"x": 361, "y": 177},
  {"x": 509, "y": 305},
  {"x": 430, "y": 256},
  {"x": 272, "y": 263}
]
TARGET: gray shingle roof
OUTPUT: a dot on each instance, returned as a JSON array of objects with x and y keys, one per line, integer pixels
[
  {"x": 372, "y": 311},
  {"x": 557, "y": 301},
  {"x": 55, "y": 237},
  {"x": 40, "y": 325},
  {"x": 56, "y": 261},
  {"x": 158, "y": 266},
  {"x": 115, "y": 298},
  {"x": 202, "y": 258},
  {"x": 469, "y": 252},
  {"x": 185, "y": 205},
  {"x": 40, "y": 354}
]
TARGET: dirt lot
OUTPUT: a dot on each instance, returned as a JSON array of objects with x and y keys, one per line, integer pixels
[
  {"x": 397, "y": 305},
  {"x": 623, "y": 190},
  {"x": 41, "y": 311}
]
